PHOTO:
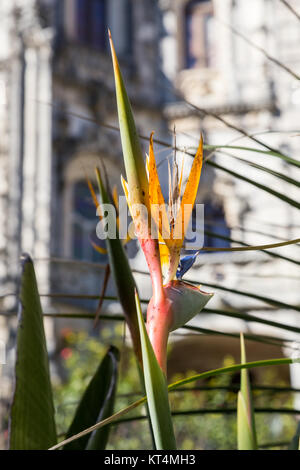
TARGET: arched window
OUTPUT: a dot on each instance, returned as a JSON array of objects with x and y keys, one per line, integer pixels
[
  {"x": 83, "y": 221},
  {"x": 91, "y": 22},
  {"x": 79, "y": 220},
  {"x": 199, "y": 34},
  {"x": 86, "y": 22}
]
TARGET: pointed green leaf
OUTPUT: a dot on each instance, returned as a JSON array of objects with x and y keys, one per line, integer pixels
[
  {"x": 157, "y": 391},
  {"x": 268, "y": 300},
  {"x": 175, "y": 385},
  {"x": 123, "y": 277},
  {"x": 294, "y": 445},
  {"x": 269, "y": 153},
  {"x": 133, "y": 157},
  {"x": 32, "y": 425},
  {"x": 245, "y": 435},
  {"x": 125, "y": 284},
  {"x": 273, "y": 254},
  {"x": 277, "y": 174},
  {"x": 255, "y": 183},
  {"x": 252, "y": 318},
  {"x": 96, "y": 404},
  {"x": 245, "y": 415},
  {"x": 187, "y": 301}
]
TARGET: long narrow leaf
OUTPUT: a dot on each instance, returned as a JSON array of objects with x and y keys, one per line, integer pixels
[
  {"x": 124, "y": 282},
  {"x": 267, "y": 300},
  {"x": 157, "y": 392},
  {"x": 253, "y": 318},
  {"x": 271, "y": 340},
  {"x": 269, "y": 389},
  {"x": 123, "y": 277},
  {"x": 269, "y": 190},
  {"x": 32, "y": 425},
  {"x": 251, "y": 247},
  {"x": 96, "y": 404},
  {"x": 273, "y": 254},
  {"x": 132, "y": 152},
  {"x": 269, "y": 153},
  {"x": 179, "y": 383},
  {"x": 264, "y": 169},
  {"x": 246, "y": 433},
  {"x": 229, "y": 313},
  {"x": 208, "y": 411},
  {"x": 295, "y": 444}
]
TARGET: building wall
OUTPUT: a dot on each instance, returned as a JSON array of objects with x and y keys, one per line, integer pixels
[
  {"x": 57, "y": 95},
  {"x": 250, "y": 92}
]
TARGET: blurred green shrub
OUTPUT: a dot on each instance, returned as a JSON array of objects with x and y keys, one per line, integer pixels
[{"x": 80, "y": 357}]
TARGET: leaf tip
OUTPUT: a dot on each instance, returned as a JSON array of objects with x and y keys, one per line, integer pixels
[
  {"x": 243, "y": 350},
  {"x": 25, "y": 258}
]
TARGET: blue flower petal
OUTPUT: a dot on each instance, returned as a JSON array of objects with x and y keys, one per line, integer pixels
[{"x": 185, "y": 264}]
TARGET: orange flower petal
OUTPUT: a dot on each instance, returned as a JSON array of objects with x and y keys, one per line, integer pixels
[
  {"x": 98, "y": 248},
  {"x": 157, "y": 201},
  {"x": 188, "y": 198}
]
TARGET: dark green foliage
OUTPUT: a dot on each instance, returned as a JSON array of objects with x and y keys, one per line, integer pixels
[
  {"x": 96, "y": 404},
  {"x": 32, "y": 424}
]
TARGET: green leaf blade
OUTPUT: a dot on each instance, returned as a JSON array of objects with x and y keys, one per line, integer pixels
[
  {"x": 295, "y": 443},
  {"x": 132, "y": 152},
  {"x": 157, "y": 391},
  {"x": 255, "y": 183},
  {"x": 246, "y": 432},
  {"x": 270, "y": 153},
  {"x": 123, "y": 277},
  {"x": 180, "y": 383},
  {"x": 96, "y": 404},
  {"x": 32, "y": 424}
]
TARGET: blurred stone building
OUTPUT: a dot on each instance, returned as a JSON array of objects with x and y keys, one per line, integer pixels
[{"x": 183, "y": 66}]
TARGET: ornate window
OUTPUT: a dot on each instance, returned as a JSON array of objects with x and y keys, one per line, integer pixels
[
  {"x": 78, "y": 216},
  {"x": 83, "y": 222},
  {"x": 91, "y": 22},
  {"x": 199, "y": 34},
  {"x": 86, "y": 22}
]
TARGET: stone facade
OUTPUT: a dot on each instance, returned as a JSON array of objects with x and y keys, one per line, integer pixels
[
  {"x": 57, "y": 97},
  {"x": 250, "y": 92}
]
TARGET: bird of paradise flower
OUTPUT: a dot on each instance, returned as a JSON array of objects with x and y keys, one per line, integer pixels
[{"x": 174, "y": 302}]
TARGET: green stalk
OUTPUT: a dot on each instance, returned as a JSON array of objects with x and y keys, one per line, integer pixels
[
  {"x": 156, "y": 390},
  {"x": 246, "y": 433}
]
